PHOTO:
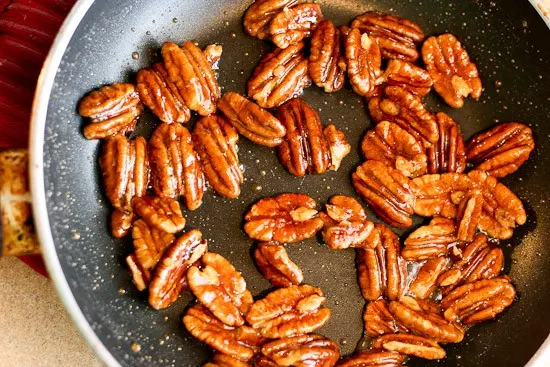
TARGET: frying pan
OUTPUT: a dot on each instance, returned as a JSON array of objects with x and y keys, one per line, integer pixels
[{"x": 107, "y": 41}]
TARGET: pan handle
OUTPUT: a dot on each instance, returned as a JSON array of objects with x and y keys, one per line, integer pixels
[{"x": 17, "y": 236}]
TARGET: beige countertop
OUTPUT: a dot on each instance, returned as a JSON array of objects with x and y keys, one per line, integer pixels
[{"x": 35, "y": 329}]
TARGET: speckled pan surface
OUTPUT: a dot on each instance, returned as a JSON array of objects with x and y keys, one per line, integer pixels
[{"x": 507, "y": 39}]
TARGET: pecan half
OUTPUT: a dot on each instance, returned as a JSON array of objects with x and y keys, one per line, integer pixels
[
  {"x": 251, "y": 121},
  {"x": 160, "y": 213},
  {"x": 279, "y": 76},
  {"x": 149, "y": 244},
  {"x": 389, "y": 193},
  {"x": 405, "y": 75},
  {"x": 338, "y": 146},
  {"x": 191, "y": 73},
  {"x": 378, "y": 320},
  {"x": 455, "y": 76},
  {"x": 468, "y": 215},
  {"x": 140, "y": 276},
  {"x": 430, "y": 241},
  {"x": 259, "y": 15},
  {"x": 412, "y": 345},
  {"x": 121, "y": 223},
  {"x": 501, "y": 150},
  {"x": 175, "y": 166},
  {"x": 157, "y": 92},
  {"x": 346, "y": 223},
  {"x": 216, "y": 144},
  {"x": 363, "y": 62},
  {"x": 479, "y": 301},
  {"x": 222, "y": 360},
  {"x": 294, "y": 24},
  {"x": 275, "y": 265},
  {"x": 381, "y": 270},
  {"x": 400, "y": 106},
  {"x": 325, "y": 58},
  {"x": 220, "y": 288},
  {"x": 112, "y": 109},
  {"x": 170, "y": 273},
  {"x": 287, "y": 312},
  {"x": 426, "y": 279},
  {"x": 373, "y": 358},
  {"x": 237, "y": 342},
  {"x": 447, "y": 154},
  {"x": 396, "y": 36},
  {"x": 392, "y": 145},
  {"x": 300, "y": 351},
  {"x": 285, "y": 218}
]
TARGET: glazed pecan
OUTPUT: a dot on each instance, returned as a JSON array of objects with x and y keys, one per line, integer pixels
[
  {"x": 396, "y": 36},
  {"x": 175, "y": 165},
  {"x": 220, "y": 288},
  {"x": 400, "y": 106},
  {"x": 501, "y": 150},
  {"x": 279, "y": 76},
  {"x": 213, "y": 54},
  {"x": 478, "y": 301},
  {"x": 170, "y": 273},
  {"x": 378, "y": 320},
  {"x": 222, "y": 360},
  {"x": 112, "y": 109},
  {"x": 216, "y": 145},
  {"x": 479, "y": 260},
  {"x": 430, "y": 241},
  {"x": 293, "y": 24},
  {"x": 251, "y": 121},
  {"x": 238, "y": 342},
  {"x": 455, "y": 76},
  {"x": 405, "y": 75},
  {"x": 275, "y": 265},
  {"x": 290, "y": 311},
  {"x": 338, "y": 146},
  {"x": 325, "y": 58},
  {"x": 373, "y": 358},
  {"x": 389, "y": 193},
  {"x": 447, "y": 154},
  {"x": 191, "y": 73},
  {"x": 125, "y": 168},
  {"x": 149, "y": 244},
  {"x": 140, "y": 276},
  {"x": 381, "y": 270},
  {"x": 426, "y": 279},
  {"x": 259, "y": 15},
  {"x": 346, "y": 223},
  {"x": 162, "y": 214},
  {"x": 412, "y": 345},
  {"x": 395, "y": 147},
  {"x": 309, "y": 350},
  {"x": 157, "y": 92},
  {"x": 468, "y": 215},
  {"x": 363, "y": 62}
]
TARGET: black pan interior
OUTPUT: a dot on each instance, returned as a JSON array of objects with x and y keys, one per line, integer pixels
[{"x": 508, "y": 41}]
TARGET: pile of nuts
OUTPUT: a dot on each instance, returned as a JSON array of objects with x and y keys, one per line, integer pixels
[{"x": 416, "y": 163}]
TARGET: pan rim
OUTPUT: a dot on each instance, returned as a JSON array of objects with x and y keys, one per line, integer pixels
[{"x": 36, "y": 174}]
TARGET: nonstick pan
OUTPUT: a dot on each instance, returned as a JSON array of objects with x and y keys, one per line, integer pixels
[{"x": 107, "y": 41}]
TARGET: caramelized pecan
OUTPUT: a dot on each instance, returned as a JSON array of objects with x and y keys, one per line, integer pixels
[
  {"x": 149, "y": 244},
  {"x": 392, "y": 145},
  {"x": 378, "y": 320},
  {"x": 157, "y": 92},
  {"x": 373, "y": 358},
  {"x": 251, "y": 121},
  {"x": 220, "y": 288},
  {"x": 381, "y": 270},
  {"x": 121, "y": 223},
  {"x": 287, "y": 312},
  {"x": 338, "y": 146},
  {"x": 169, "y": 277},
  {"x": 112, "y": 109},
  {"x": 447, "y": 154},
  {"x": 405, "y": 75},
  {"x": 286, "y": 218},
  {"x": 501, "y": 150},
  {"x": 396, "y": 36},
  {"x": 175, "y": 165},
  {"x": 426, "y": 279},
  {"x": 299, "y": 351},
  {"x": 222, "y": 360},
  {"x": 293, "y": 24},
  {"x": 363, "y": 62},
  {"x": 191, "y": 73},
  {"x": 259, "y": 15},
  {"x": 455, "y": 76},
  {"x": 140, "y": 276},
  {"x": 468, "y": 215},
  {"x": 400, "y": 106},
  {"x": 412, "y": 345},
  {"x": 216, "y": 144},
  {"x": 479, "y": 301},
  {"x": 213, "y": 54},
  {"x": 325, "y": 58},
  {"x": 275, "y": 265},
  {"x": 279, "y": 76},
  {"x": 162, "y": 214},
  {"x": 430, "y": 241},
  {"x": 389, "y": 193}
]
